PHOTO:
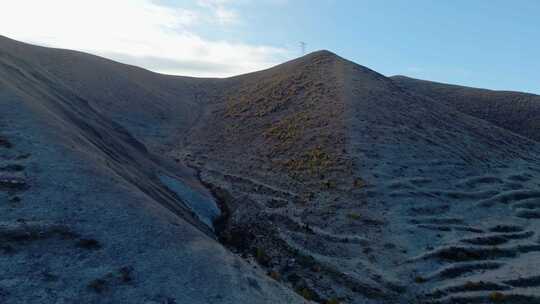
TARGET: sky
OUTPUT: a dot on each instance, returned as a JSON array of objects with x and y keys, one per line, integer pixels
[{"x": 491, "y": 44}]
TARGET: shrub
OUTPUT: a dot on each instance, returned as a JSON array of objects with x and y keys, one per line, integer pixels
[
  {"x": 90, "y": 244},
  {"x": 5, "y": 143},
  {"x": 359, "y": 183},
  {"x": 305, "y": 293},
  {"x": 354, "y": 216},
  {"x": 126, "y": 274},
  {"x": 261, "y": 256},
  {"x": 496, "y": 297},
  {"x": 420, "y": 280},
  {"x": 98, "y": 285},
  {"x": 274, "y": 275}
]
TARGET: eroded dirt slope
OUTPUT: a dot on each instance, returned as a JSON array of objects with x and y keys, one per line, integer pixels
[{"x": 348, "y": 187}]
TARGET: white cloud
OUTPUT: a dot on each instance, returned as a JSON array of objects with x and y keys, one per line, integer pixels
[
  {"x": 139, "y": 32},
  {"x": 220, "y": 11}
]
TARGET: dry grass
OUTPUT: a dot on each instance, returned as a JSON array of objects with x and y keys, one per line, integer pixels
[
  {"x": 288, "y": 131},
  {"x": 313, "y": 161},
  {"x": 271, "y": 96}
]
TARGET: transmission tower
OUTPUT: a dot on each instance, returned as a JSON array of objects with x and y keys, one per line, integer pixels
[{"x": 303, "y": 47}]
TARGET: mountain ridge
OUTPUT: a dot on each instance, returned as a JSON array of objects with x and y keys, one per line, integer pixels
[{"x": 515, "y": 111}]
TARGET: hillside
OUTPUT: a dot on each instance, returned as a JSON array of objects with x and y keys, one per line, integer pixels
[
  {"x": 89, "y": 213},
  {"x": 514, "y": 111},
  {"x": 365, "y": 183},
  {"x": 316, "y": 180}
]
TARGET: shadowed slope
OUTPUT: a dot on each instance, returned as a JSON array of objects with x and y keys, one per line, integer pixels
[
  {"x": 85, "y": 212},
  {"x": 514, "y": 111}
]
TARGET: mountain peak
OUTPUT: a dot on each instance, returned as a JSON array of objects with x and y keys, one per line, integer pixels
[{"x": 323, "y": 54}]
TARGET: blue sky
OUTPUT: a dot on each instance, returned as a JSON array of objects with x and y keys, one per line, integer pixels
[{"x": 492, "y": 44}]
